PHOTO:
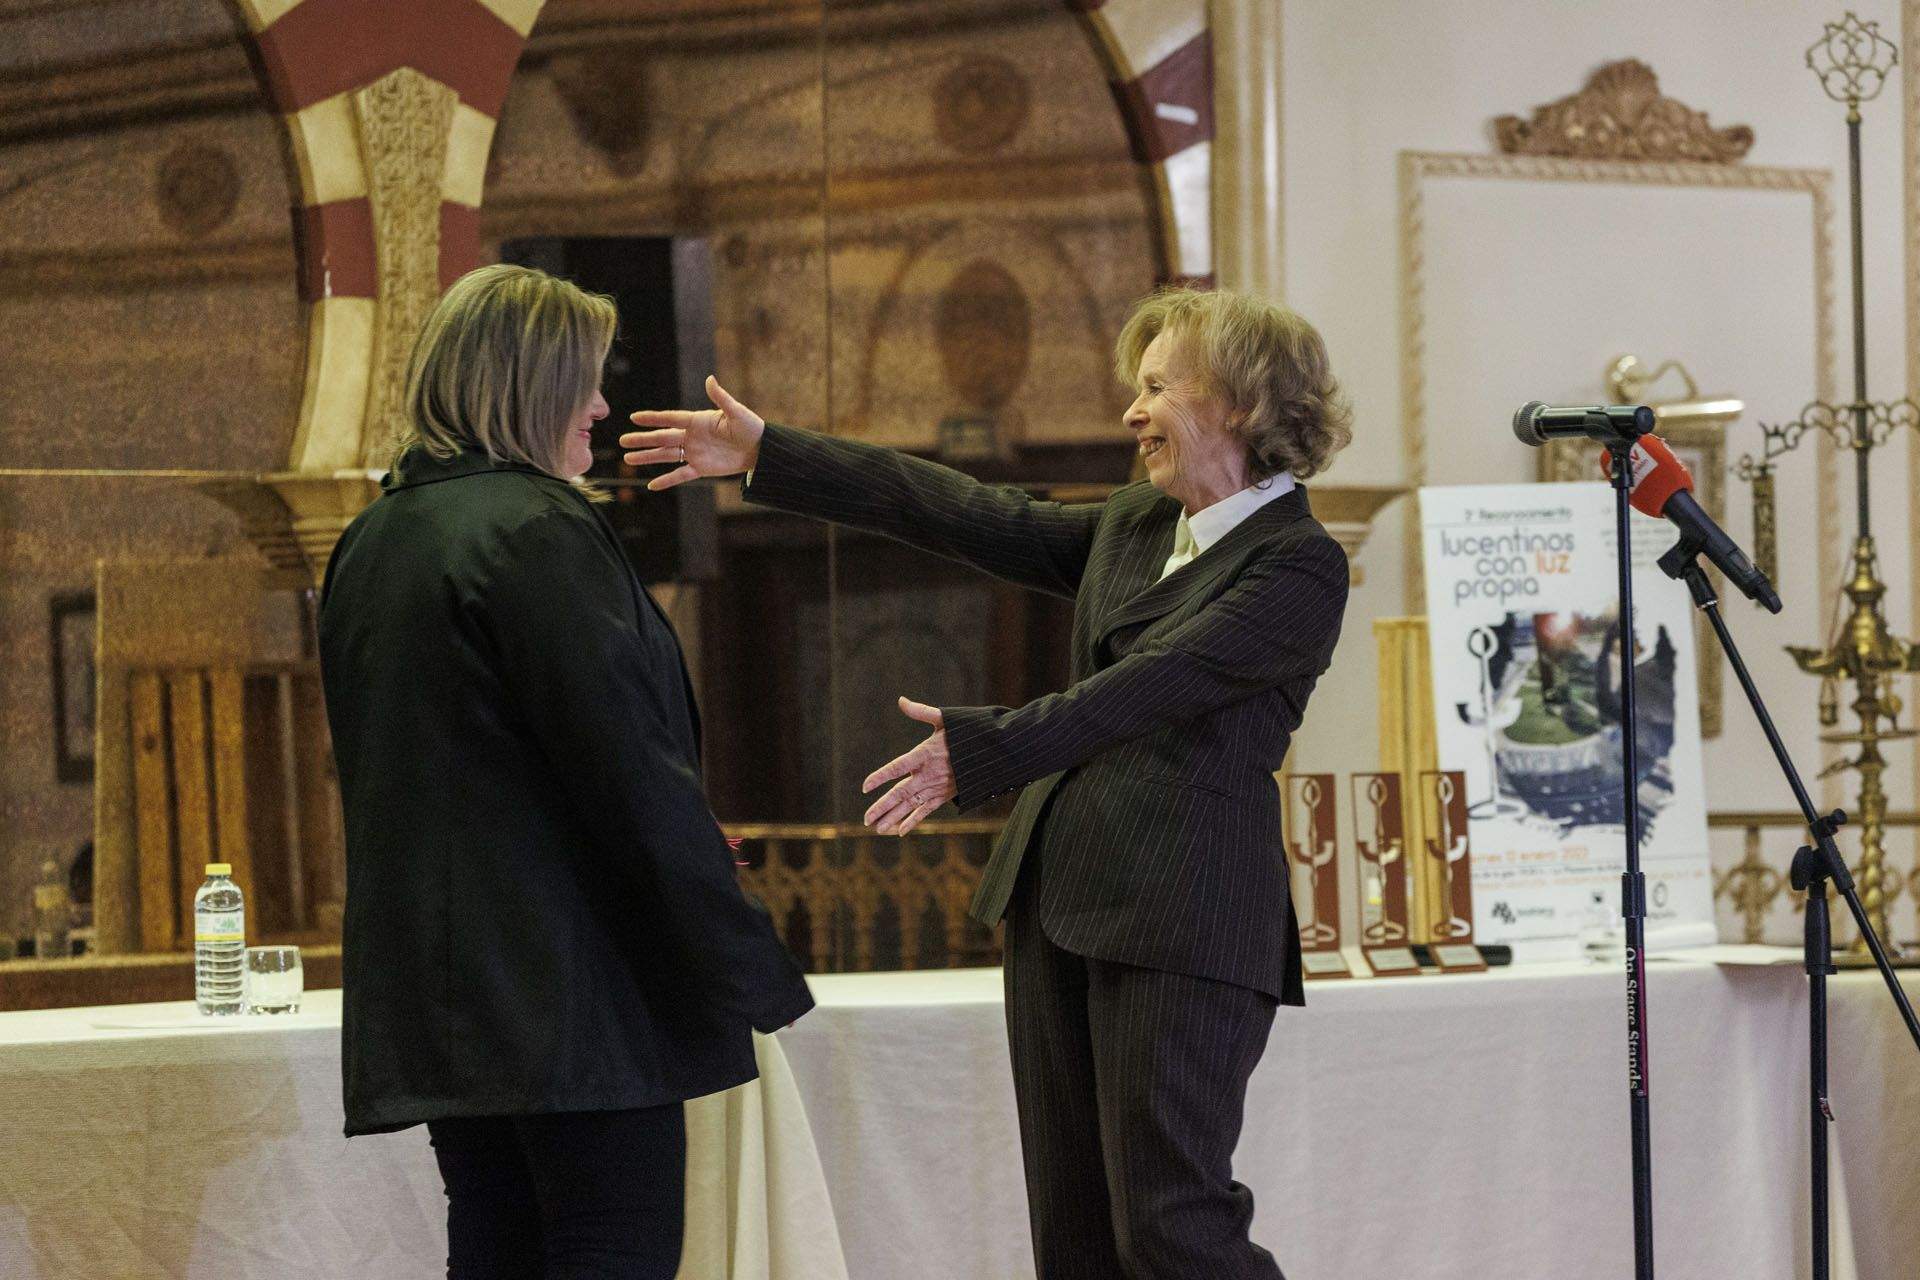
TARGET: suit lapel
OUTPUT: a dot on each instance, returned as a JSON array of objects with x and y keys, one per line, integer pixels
[
  {"x": 1150, "y": 596},
  {"x": 1144, "y": 554}
]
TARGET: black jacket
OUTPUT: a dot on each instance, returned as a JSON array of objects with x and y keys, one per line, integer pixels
[
  {"x": 1147, "y": 790},
  {"x": 542, "y": 914}
]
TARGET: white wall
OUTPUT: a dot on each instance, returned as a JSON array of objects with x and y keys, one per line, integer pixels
[{"x": 1367, "y": 79}]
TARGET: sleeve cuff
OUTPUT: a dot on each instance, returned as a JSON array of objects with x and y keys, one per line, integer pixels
[
  {"x": 789, "y": 1009},
  {"x": 980, "y": 769},
  {"x": 775, "y": 480}
]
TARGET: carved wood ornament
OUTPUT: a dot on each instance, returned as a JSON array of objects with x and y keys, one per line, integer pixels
[
  {"x": 404, "y": 120},
  {"x": 1621, "y": 115}
]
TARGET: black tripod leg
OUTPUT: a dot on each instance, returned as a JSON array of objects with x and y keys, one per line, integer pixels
[
  {"x": 1814, "y": 866},
  {"x": 1819, "y": 962}
]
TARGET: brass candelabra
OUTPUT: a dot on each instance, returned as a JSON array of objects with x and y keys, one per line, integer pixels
[{"x": 1852, "y": 60}]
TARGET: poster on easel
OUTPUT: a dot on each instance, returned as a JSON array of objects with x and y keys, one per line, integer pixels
[{"x": 1524, "y": 638}]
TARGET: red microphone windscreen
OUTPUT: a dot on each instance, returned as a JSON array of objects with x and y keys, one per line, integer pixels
[{"x": 1657, "y": 474}]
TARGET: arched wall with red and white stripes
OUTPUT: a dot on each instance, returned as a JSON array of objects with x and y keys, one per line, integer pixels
[{"x": 390, "y": 113}]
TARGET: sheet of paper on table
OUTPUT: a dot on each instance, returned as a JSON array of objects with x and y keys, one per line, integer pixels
[{"x": 1735, "y": 953}]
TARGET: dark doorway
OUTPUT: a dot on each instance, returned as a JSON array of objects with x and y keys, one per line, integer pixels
[{"x": 663, "y": 286}]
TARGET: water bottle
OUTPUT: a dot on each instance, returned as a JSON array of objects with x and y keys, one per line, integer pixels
[
  {"x": 52, "y": 914},
  {"x": 219, "y": 943}
]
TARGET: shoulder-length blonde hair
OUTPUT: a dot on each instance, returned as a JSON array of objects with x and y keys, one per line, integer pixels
[
  {"x": 506, "y": 360},
  {"x": 1265, "y": 362}
]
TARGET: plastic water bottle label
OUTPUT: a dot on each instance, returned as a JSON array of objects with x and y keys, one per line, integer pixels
[{"x": 219, "y": 926}]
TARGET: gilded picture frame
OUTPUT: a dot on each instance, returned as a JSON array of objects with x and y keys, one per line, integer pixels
[
  {"x": 1420, "y": 171},
  {"x": 71, "y": 619}
]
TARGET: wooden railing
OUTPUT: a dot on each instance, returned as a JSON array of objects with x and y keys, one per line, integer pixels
[
  {"x": 232, "y": 764},
  {"x": 849, "y": 901},
  {"x": 1755, "y": 883}
]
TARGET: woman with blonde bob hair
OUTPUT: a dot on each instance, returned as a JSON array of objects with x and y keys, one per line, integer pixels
[
  {"x": 1141, "y": 875},
  {"x": 545, "y": 949},
  {"x": 1264, "y": 361}
]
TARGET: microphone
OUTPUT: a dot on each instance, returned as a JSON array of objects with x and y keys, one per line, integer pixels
[
  {"x": 1536, "y": 423},
  {"x": 1663, "y": 488}
]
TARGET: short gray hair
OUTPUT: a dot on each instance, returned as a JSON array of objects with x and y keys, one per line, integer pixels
[
  {"x": 1266, "y": 362},
  {"x": 505, "y": 360}
]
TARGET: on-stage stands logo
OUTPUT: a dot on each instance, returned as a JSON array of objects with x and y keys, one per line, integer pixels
[{"x": 1636, "y": 1072}]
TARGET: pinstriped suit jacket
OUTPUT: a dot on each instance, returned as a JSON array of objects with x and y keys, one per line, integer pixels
[{"x": 1147, "y": 786}]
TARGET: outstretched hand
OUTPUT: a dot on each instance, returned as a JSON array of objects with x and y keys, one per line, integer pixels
[
  {"x": 721, "y": 441},
  {"x": 925, "y": 778}
]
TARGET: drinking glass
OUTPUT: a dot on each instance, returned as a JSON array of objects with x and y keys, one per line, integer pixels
[{"x": 274, "y": 982}]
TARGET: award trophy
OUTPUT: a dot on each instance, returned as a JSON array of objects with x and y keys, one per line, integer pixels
[
  {"x": 1385, "y": 930},
  {"x": 1310, "y": 800},
  {"x": 1444, "y": 799}
]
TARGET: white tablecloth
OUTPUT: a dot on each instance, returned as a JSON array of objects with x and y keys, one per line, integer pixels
[
  {"x": 1433, "y": 1128},
  {"x": 140, "y": 1142},
  {"x": 1407, "y": 1129}
]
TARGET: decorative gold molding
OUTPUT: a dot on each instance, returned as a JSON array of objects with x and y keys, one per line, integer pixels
[
  {"x": 1416, "y": 166},
  {"x": 1621, "y": 115},
  {"x": 405, "y": 119}
]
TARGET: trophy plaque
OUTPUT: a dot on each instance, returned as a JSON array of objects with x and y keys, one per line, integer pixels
[
  {"x": 1379, "y": 836},
  {"x": 1311, "y": 844},
  {"x": 1444, "y": 801}
]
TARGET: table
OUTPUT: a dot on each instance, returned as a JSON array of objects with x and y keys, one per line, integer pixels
[
  {"x": 1432, "y": 1128},
  {"x": 1468, "y": 1127},
  {"x": 141, "y": 1141}
]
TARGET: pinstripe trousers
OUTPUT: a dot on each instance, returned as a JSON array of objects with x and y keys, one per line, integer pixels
[{"x": 1130, "y": 1085}]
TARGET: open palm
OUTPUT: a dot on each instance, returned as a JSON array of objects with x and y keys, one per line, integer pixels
[
  {"x": 721, "y": 441},
  {"x": 924, "y": 774}
]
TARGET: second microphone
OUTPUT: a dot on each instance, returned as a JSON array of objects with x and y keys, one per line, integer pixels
[{"x": 1663, "y": 488}]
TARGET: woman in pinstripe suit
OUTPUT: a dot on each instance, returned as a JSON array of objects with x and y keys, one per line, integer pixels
[{"x": 1141, "y": 875}]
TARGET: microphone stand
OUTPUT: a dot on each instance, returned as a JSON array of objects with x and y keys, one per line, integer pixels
[
  {"x": 1813, "y": 866},
  {"x": 1633, "y": 891}
]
